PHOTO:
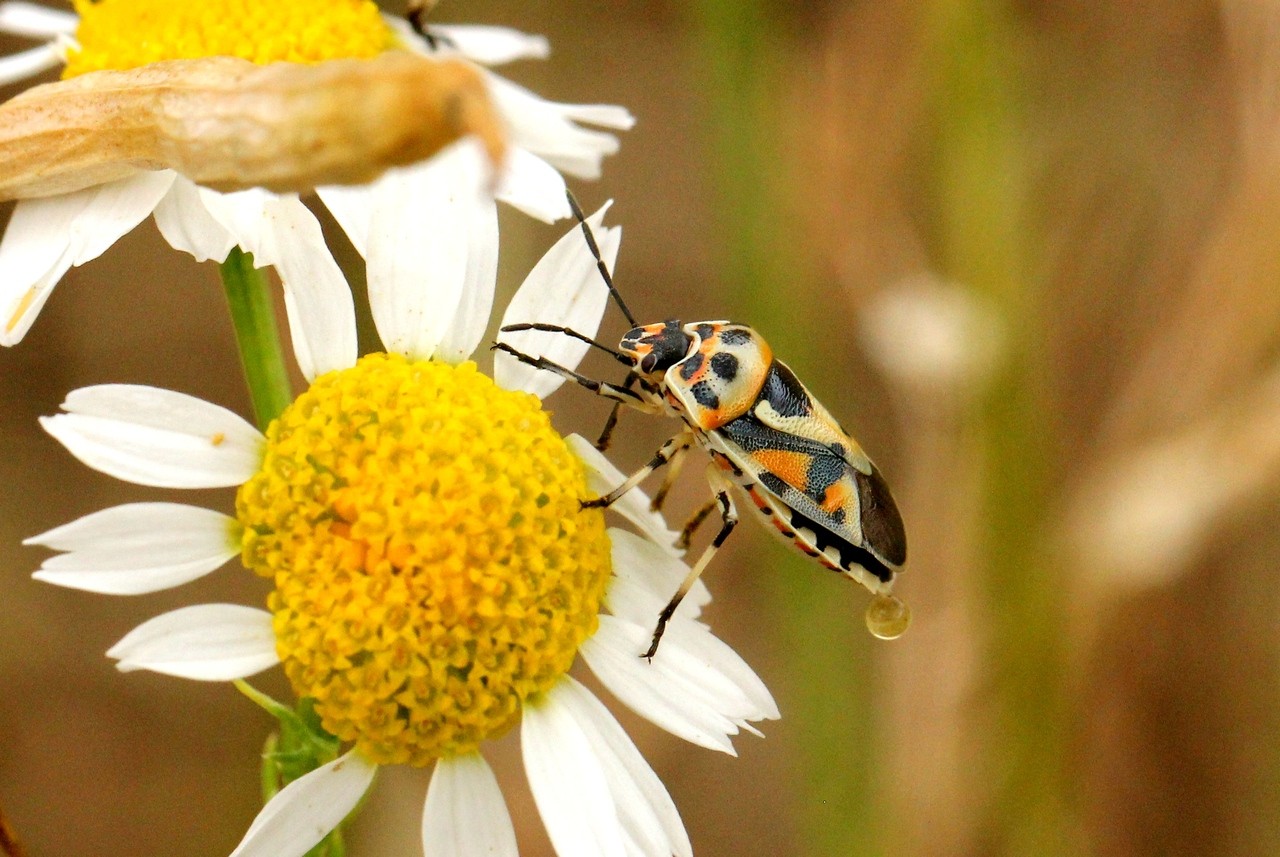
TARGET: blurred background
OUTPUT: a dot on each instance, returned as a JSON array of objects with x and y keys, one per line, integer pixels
[{"x": 1028, "y": 251}]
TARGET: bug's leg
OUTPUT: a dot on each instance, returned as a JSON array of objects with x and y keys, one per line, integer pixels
[
  {"x": 675, "y": 463},
  {"x": 665, "y": 453},
  {"x": 416, "y": 12},
  {"x": 729, "y": 517},
  {"x": 695, "y": 521},
  {"x": 600, "y": 388},
  {"x": 606, "y": 433}
]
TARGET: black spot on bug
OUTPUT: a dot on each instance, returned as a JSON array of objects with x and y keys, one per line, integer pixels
[
  {"x": 691, "y": 365},
  {"x": 773, "y": 483},
  {"x": 725, "y": 365},
  {"x": 850, "y": 554},
  {"x": 705, "y": 396},
  {"x": 784, "y": 392},
  {"x": 706, "y": 331},
  {"x": 824, "y": 471},
  {"x": 735, "y": 337},
  {"x": 838, "y": 449},
  {"x": 838, "y": 517}
]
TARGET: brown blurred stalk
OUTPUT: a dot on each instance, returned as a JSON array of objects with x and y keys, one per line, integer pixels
[{"x": 1092, "y": 562}]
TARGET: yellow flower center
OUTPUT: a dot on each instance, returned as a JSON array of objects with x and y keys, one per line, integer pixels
[
  {"x": 120, "y": 34},
  {"x": 433, "y": 566}
]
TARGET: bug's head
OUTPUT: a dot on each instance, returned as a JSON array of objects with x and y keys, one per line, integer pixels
[{"x": 655, "y": 348}]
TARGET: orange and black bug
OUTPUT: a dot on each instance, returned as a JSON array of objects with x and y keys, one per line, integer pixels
[{"x": 766, "y": 435}]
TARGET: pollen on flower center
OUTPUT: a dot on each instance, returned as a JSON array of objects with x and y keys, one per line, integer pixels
[
  {"x": 433, "y": 566},
  {"x": 120, "y": 34}
]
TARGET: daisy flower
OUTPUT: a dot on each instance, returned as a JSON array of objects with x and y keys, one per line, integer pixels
[
  {"x": 435, "y": 575},
  {"x": 168, "y": 109}
]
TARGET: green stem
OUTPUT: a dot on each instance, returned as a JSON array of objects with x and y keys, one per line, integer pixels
[
  {"x": 980, "y": 97},
  {"x": 835, "y": 800},
  {"x": 253, "y": 315}
]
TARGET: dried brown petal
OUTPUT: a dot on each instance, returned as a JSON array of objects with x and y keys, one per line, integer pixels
[{"x": 229, "y": 124}]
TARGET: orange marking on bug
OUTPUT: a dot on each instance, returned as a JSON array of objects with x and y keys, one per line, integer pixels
[
  {"x": 766, "y": 354},
  {"x": 700, "y": 374},
  {"x": 791, "y": 467},
  {"x": 837, "y": 494},
  {"x": 710, "y": 419},
  {"x": 781, "y": 526},
  {"x": 760, "y": 501},
  {"x": 806, "y": 548}
]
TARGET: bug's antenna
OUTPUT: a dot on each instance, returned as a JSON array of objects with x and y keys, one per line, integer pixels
[
  {"x": 595, "y": 251},
  {"x": 417, "y": 11}
]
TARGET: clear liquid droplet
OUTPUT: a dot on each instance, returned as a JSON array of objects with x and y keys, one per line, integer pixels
[{"x": 888, "y": 617}]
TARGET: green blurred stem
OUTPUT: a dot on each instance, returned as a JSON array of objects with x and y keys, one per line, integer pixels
[
  {"x": 257, "y": 335},
  {"x": 979, "y": 90},
  {"x": 741, "y": 52}
]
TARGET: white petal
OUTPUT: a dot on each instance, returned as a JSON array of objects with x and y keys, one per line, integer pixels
[
  {"x": 564, "y": 288},
  {"x": 35, "y": 21},
  {"x": 308, "y": 808},
  {"x": 418, "y": 253},
  {"x": 492, "y": 45},
  {"x": 465, "y": 815},
  {"x": 112, "y": 210},
  {"x": 603, "y": 477},
  {"x": 614, "y": 658},
  {"x": 207, "y": 642},
  {"x": 548, "y": 129},
  {"x": 646, "y": 576},
  {"x": 48, "y": 236},
  {"x": 604, "y": 115},
  {"x": 188, "y": 225},
  {"x": 696, "y": 687},
  {"x": 157, "y": 437},
  {"x": 533, "y": 186},
  {"x": 651, "y": 825},
  {"x": 479, "y": 43},
  {"x": 137, "y": 548},
  {"x": 352, "y": 207},
  {"x": 568, "y": 782},
  {"x": 28, "y": 63},
  {"x": 476, "y": 301},
  {"x": 19, "y": 308},
  {"x": 709, "y": 650},
  {"x": 282, "y": 233}
]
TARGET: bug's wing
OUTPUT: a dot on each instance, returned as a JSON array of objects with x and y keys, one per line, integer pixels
[
  {"x": 801, "y": 455},
  {"x": 823, "y": 489},
  {"x": 786, "y": 405}
]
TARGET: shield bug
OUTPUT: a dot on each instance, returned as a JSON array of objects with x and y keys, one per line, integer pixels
[{"x": 766, "y": 435}]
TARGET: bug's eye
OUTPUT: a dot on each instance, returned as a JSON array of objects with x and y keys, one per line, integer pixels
[{"x": 649, "y": 362}]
